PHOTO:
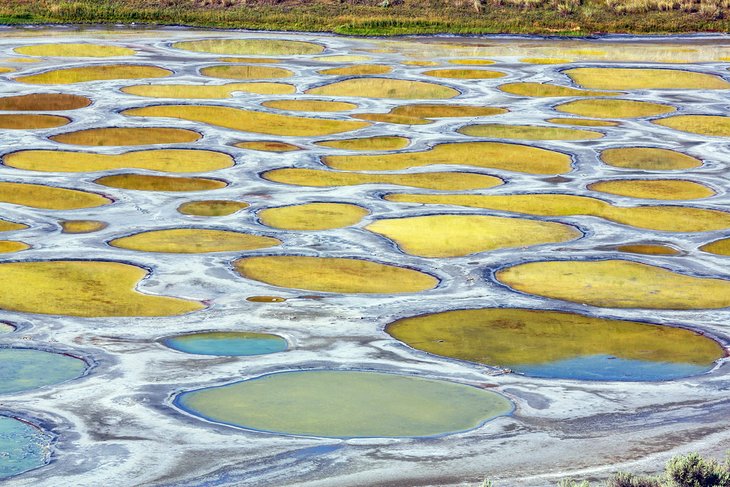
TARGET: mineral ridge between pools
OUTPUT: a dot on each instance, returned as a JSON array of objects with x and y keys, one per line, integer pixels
[{"x": 257, "y": 244}]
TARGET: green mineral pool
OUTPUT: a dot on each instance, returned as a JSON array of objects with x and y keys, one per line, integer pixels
[{"x": 346, "y": 404}]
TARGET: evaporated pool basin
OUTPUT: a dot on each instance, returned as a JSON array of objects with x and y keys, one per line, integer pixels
[
  {"x": 226, "y": 343},
  {"x": 313, "y": 216},
  {"x": 44, "y": 102},
  {"x": 23, "y": 445},
  {"x": 496, "y": 155},
  {"x": 344, "y": 404},
  {"x": 425, "y": 113},
  {"x": 49, "y": 197},
  {"x": 459, "y": 235},
  {"x": 386, "y": 88},
  {"x": 94, "y": 73},
  {"x": 82, "y": 226},
  {"x": 617, "y": 284},
  {"x": 367, "y": 143},
  {"x": 446, "y": 181},
  {"x": 147, "y": 182},
  {"x": 193, "y": 241},
  {"x": 334, "y": 274},
  {"x": 258, "y": 47},
  {"x": 249, "y": 120},
  {"x": 561, "y": 345},
  {"x": 24, "y": 369},
  {"x": 649, "y": 158},
  {"x": 211, "y": 207},
  {"x": 83, "y": 289},
  {"x": 10, "y": 246},
  {"x": 74, "y": 49},
  {"x": 208, "y": 91},
  {"x": 163, "y": 160},
  {"x": 667, "y": 218}
]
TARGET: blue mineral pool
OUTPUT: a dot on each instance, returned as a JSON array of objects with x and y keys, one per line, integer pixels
[
  {"x": 22, "y": 369},
  {"x": 227, "y": 343},
  {"x": 23, "y": 447},
  {"x": 609, "y": 367}
]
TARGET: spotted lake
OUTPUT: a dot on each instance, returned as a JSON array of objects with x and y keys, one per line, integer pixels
[{"x": 240, "y": 258}]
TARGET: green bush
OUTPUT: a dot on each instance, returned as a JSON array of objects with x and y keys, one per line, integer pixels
[
  {"x": 694, "y": 471},
  {"x": 573, "y": 483},
  {"x": 630, "y": 480},
  {"x": 681, "y": 471}
]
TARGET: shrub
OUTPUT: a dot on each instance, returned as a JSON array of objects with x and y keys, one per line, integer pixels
[
  {"x": 694, "y": 471},
  {"x": 630, "y": 480},
  {"x": 573, "y": 483},
  {"x": 681, "y": 471}
]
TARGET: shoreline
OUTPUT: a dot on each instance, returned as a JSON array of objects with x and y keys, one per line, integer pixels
[
  {"x": 628, "y": 37},
  {"x": 587, "y": 19}
]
